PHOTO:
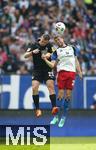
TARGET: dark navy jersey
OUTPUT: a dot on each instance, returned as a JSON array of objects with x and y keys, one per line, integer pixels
[{"x": 39, "y": 63}]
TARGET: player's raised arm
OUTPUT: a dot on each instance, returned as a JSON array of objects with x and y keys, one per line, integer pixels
[
  {"x": 51, "y": 64},
  {"x": 31, "y": 51}
]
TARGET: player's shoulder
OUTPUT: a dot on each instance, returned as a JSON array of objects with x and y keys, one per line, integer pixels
[
  {"x": 49, "y": 45},
  {"x": 31, "y": 46},
  {"x": 54, "y": 49},
  {"x": 72, "y": 46}
]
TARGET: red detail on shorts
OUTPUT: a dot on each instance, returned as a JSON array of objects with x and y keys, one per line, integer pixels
[{"x": 66, "y": 79}]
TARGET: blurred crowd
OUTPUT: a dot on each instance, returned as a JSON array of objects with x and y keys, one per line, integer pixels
[{"x": 24, "y": 21}]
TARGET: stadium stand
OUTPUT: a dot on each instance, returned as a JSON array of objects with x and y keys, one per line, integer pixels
[{"x": 23, "y": 21}]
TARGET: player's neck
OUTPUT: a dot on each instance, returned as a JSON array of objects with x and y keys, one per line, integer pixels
[{"x": 64, "y": 45}]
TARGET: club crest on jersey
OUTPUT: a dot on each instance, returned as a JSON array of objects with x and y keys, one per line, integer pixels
[
  {"x": 44, "y": 51},
  {"x": 61, "y": 50},
  {"x": 67, "y": 53},
  {"x": 46, "y": 48}
]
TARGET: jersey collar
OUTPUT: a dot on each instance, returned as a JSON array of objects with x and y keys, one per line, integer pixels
[{"x": 63, "y": 46}]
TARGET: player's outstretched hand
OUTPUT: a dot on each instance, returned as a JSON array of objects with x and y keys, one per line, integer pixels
[{"x": 35, "y": 51}]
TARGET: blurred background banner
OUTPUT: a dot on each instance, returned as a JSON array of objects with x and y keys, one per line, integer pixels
[{"x": 15, "y": 93}]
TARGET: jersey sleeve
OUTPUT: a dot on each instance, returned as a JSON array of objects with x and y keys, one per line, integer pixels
[
  {"x": 31, "y": 47},
  {"x": 75, "y": 50},
  {"x": 54, "y": 56}
]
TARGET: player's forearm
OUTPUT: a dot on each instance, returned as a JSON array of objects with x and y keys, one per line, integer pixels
[
  {"x": 49, "y": 63},
  {"x": 78, "y": 68},
  {"x": 27, "y": 54}
]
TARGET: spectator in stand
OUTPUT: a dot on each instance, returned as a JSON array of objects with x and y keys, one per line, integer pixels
[
  {"x": 25, "y": 20},
  {"x": 6, "y": 26},
  {"x": 22, "y": 69},
  {"x": 3, "y": 56},
  {"x": 10, "y": 66}
]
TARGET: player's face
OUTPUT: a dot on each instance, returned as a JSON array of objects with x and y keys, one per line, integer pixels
[
  {"x": 43, "y": 42},
  {"x": 59, "y": 41}
]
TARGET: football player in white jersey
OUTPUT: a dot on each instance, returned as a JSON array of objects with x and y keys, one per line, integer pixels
[{"x": 65, "y": 59}]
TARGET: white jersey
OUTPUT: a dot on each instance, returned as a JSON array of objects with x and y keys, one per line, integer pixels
[{"x": 66, "y": 58}]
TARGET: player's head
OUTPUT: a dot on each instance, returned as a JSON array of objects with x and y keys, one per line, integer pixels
[
  {"x": 44, "y": 39},
  {"x": 59, "y": 41}
]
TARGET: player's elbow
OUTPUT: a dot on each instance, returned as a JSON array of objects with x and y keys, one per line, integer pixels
[
  {"x": 52, "y": 65},
  {"x": 25, "y": 55}
]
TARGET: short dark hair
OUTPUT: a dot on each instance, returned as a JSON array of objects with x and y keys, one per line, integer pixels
[{"x": 46, "y": 37}]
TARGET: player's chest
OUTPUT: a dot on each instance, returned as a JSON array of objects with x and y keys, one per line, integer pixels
[
  {"x": 42, "y": 50},
  {"x": 65, "y": 52}
]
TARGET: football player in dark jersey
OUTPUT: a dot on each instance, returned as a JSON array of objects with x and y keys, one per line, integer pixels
[{"x": 42, "y": 72}]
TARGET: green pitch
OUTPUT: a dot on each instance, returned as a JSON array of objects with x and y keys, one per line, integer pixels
[
  {"x": 73, "y": 143},
  {"x": 66, "y": 143}
]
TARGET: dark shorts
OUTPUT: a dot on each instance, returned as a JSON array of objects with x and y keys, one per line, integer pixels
[{"x": 43, "y": 76}]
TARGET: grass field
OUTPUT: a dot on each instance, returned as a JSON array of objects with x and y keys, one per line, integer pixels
[
  {"x": 73, "y": 143},
  {"x": 67, "y": 143}
]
